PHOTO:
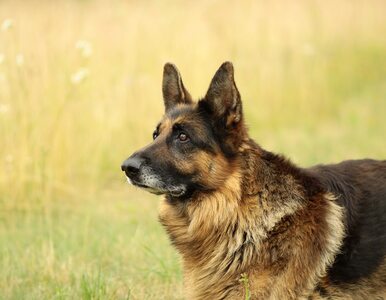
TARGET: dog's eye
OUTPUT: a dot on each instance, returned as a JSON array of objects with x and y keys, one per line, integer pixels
[
  {"x": 182, "y": 137},
  {"x": 155, "y": 134}
]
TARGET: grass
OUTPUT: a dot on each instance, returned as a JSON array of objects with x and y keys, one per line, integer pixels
[
  {"x": 245, "y": 282},
  {"x": 88, "y": 250},
  {"x": 80, "y": 90}
]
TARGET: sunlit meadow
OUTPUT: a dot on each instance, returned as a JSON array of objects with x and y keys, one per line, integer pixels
[{"x": 80, "y": 89}]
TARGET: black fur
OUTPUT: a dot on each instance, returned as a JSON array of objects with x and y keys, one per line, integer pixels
[
  {"x": 361, "y": 188},
  {"x": 183, "y": 167}
]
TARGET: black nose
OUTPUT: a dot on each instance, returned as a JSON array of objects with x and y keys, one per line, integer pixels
[{"x": 131, "y": 166}]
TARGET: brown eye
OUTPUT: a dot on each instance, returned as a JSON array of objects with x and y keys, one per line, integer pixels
[
  {"x": 182, "y": 137},
  {"x": 155, "y": 134}
]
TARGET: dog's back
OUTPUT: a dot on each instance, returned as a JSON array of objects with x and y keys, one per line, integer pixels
[{"x": 360, "y": 187}]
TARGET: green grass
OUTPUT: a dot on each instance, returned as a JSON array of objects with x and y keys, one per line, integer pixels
[
  {"x": 245, "y": 282},
  {"x": 105, "y": 248},
  {"x": 311, "y": 75}
]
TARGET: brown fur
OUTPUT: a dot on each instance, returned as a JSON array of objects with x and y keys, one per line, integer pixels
[
  {"x": 244, "y": 229},
  {"x": 243, "y": 210}
]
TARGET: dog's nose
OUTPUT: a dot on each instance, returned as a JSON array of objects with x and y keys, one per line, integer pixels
[{"x": 131, "y": 166}]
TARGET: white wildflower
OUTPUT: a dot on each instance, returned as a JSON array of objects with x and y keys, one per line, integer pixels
[
  {"x": 84, "y": 47},
  {"x": 19, "y": 60},
  {"x": 7, "y": 24},
  {"x": 80, "y": 75}
]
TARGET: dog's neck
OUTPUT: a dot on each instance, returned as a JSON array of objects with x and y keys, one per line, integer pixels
[{"x": 210, "y": 230}]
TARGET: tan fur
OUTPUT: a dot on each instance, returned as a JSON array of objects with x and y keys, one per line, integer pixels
[
  {"x": 225, "y": 233},
  {"x": 233, "y": 209}
]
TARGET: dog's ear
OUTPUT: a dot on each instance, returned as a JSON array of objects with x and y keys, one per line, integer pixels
[
  {"x": 223, "y": 99},
  {"x": 223, "y": 103},
  {"x": 173, "y": 89}
]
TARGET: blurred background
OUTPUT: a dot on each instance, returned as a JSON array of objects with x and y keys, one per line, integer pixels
[{"x": 80, "y": 89}]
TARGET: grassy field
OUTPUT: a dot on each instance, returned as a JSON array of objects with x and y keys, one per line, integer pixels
[{"x": 80, "y": 90}]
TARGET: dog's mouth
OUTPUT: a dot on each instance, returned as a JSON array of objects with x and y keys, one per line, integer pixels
[
  {"x": 145, "y": 187},
  {"x": 174, "y": 191}
]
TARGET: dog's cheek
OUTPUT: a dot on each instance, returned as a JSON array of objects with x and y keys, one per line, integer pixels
[
  {"x": 185, "y": 165},
  {"x": 211, "y": 169}
]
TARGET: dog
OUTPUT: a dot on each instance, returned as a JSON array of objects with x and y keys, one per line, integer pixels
[{"x": 248, "y": 223}]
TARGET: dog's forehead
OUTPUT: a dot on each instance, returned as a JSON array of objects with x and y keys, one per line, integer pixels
[
  {"x": 180, "y": 111},
  {"x": 179, "y": 115}
]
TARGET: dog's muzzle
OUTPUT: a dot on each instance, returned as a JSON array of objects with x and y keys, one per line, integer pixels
[
  {"x": 141, "y": 175},
  {"x": 131, "y": 167}
]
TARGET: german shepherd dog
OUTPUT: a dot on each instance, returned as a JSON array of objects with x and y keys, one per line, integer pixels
[{"x": 233, "y": 209}]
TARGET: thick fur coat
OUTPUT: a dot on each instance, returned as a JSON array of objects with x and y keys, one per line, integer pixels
[{"x": 233, "y": 209}]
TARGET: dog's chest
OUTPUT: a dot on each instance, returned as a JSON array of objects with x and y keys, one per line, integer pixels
[{"x": 175, "y": 220}]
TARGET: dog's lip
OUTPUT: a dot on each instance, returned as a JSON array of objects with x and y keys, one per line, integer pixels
[
  {"x": 153, "y": 190},
  {"x": 177, "y": 193},
  {"x": 136, "y": 183},
  {"x": 140, "y": 185},
  {"x": 148, "y": 188}
]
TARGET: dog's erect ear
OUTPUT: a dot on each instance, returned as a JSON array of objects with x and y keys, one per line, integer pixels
[
  {"x": 223, "y": 98},
  {"x": 173, "y": 89}
]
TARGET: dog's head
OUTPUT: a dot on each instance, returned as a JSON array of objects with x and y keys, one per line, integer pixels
[{"x": 196, "y": 144}]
